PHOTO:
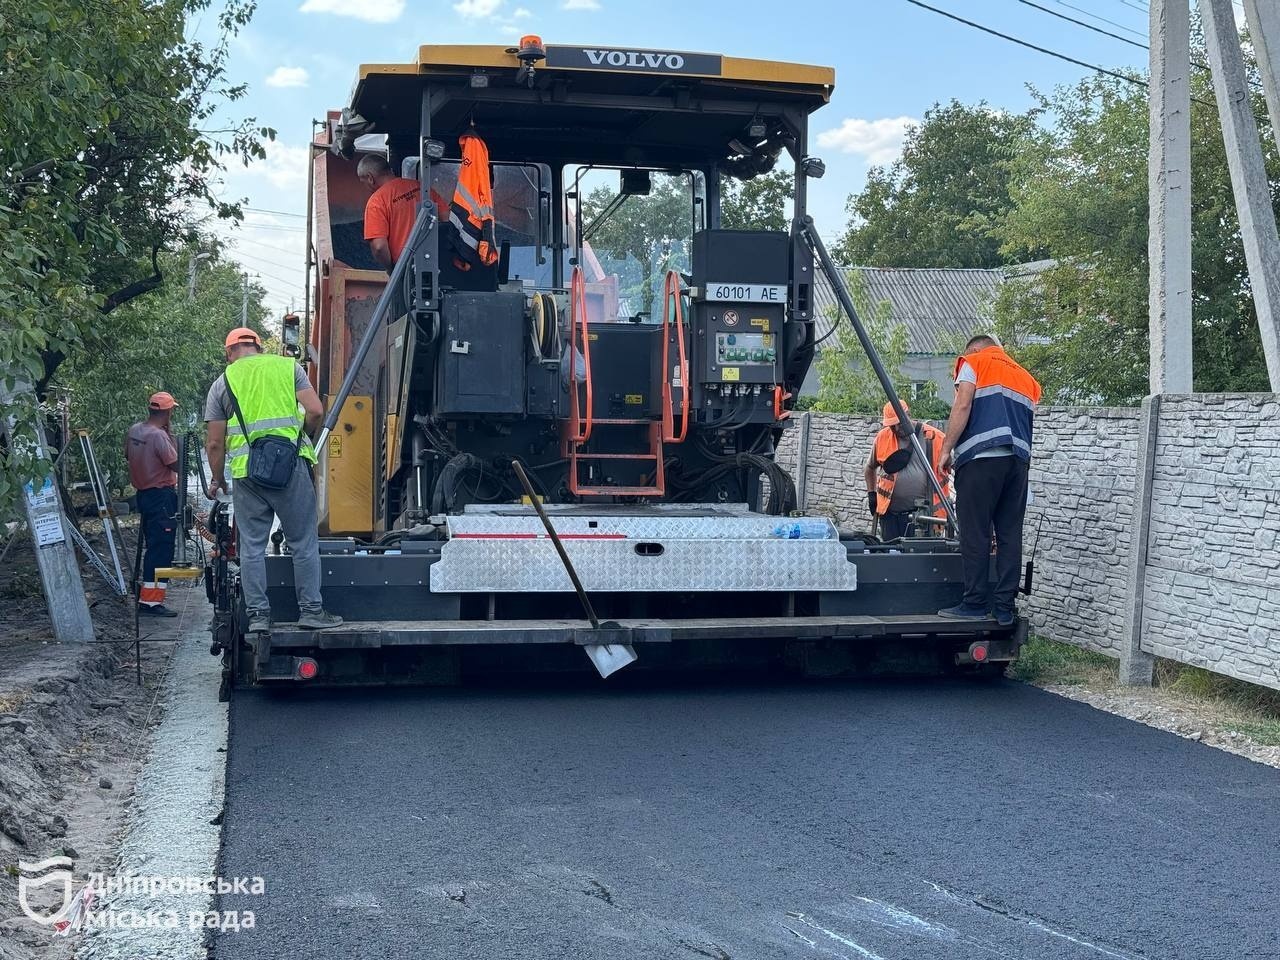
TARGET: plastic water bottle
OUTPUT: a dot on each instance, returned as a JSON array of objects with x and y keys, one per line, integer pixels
[{"x": 804, "y": 529}]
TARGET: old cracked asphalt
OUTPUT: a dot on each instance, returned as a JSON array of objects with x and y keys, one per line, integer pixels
[{"x": 901, "y": 821}]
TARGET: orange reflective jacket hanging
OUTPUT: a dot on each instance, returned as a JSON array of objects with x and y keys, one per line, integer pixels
[{"x": 471, "y": 212}]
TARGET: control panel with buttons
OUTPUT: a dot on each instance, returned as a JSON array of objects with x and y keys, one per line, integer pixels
[{"x": 746, "y": 348}]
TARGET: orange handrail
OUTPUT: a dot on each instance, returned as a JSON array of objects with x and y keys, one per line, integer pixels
[
  {"x": 671, "y": 292},
  {"x": 578, "y": 318}
]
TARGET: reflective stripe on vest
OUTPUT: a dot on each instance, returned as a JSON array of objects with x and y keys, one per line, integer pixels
[
  {"x": 471, "y": 212},
  {"x": 1003, "y": 410},
  {"x": 887, "y": 444},
  {"x": 265, "y": 388}
]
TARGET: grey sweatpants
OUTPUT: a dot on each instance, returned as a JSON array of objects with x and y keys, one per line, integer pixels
[{"x": 295, "y": 505}]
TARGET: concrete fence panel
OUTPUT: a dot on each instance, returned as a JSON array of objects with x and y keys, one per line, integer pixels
[
  {"x": 1207, "y": 587},
  {"x": 1212, "y": 591}
]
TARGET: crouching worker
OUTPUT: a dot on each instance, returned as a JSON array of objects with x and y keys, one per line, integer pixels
[{"x": 894, "y": 497}]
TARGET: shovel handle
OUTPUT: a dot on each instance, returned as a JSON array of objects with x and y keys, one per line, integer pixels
[{"x": 555, "y": 539}]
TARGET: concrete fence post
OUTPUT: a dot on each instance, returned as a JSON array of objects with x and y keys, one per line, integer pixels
[
  {"x": 1136, "y": 665},
  {"x": 802, "y": 463}
]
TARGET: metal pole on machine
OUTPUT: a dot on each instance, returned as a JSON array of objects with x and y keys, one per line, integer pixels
[
  {"x": 810, "y": 234},
  {"x": 381, "y": 313}
]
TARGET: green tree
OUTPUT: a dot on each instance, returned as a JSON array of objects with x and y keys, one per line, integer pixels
[
  {"x": 762, "y": 203},
  {"x": 163, "y": 341},
  {"x": 939, "y": 203},
  {"x": 1081, "y": 195},
  {"x": 847, "y": 383},
  {"x": 113, "y": 129},
  {"x": 640, "y": 237}
]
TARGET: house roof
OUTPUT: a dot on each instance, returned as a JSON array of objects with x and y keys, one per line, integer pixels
[{"x": 938, "y": 305}]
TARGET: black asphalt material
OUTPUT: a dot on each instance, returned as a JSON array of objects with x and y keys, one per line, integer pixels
[{"x": 600, "y": 820}]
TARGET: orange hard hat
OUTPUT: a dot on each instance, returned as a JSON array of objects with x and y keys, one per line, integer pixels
[
  {"x": 243, "y": 335},
  {"x": 891, "y": 415},
  {"x": 162, "y": 401}
]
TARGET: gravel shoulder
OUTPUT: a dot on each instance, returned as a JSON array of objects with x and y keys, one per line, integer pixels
[
  {"x": 1230, "y": 715},
  {"x": 74, "y": 725}
]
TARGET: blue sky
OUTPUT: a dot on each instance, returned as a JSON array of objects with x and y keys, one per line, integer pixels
[{"x": 892, "y": 59}]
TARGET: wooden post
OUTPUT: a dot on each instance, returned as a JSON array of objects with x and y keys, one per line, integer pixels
[
  {"x": 55, "y": 555},
  {"x": 1248, "y": 173},
  {"x": 1169, "y": 179}
]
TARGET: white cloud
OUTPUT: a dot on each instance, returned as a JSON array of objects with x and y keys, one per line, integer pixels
[
  {"x": 876, "y": 141},
  {"x": 285, "y": 167},
  {"x": 580, "y": 5},
  {"x": 371, "y": 11},
  {"x": 288, "y": 77},
  {"x": 522, "y": 13},
  {"x": 477, "y": 9}
]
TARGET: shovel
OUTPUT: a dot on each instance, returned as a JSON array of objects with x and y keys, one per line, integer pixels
[{"x": 607, "y": 657}]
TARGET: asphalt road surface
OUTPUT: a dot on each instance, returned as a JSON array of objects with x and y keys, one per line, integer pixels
[{"x": 745, "y": 820}]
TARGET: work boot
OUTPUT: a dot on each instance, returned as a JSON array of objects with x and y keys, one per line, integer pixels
[
  {"x": 259, "y": 623},
  {"x": 1006, "y": 617},
  {"x": 319, "y": 620},
  {"x": 962, "y": 611},
  {"x": 159, "y": 610}
]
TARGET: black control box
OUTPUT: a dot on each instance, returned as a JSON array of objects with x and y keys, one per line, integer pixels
[{"x": 480, "y": 365}]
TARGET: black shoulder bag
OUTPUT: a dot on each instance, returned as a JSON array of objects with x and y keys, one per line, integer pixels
[{"x": 271, "y": 458}]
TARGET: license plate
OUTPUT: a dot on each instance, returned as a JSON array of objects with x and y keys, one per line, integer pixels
[{"x": 746, "y": 293}]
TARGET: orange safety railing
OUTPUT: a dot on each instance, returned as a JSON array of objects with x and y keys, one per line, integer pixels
[
  {"x": 671, "y": 303},
  {"x": 580, "y": 427}
]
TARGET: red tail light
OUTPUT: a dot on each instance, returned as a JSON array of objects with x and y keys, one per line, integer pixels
[
  {"x": 978, "y": 651},
  {"x": 306, "y": 669}
]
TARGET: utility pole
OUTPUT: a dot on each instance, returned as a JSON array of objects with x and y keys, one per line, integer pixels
[
  {"x": 192, "y": 264},
  {"x": 1169, "y": 188},
  {"x": 55, "y": 555},
  {"x": 244, "y": 302},
  {"x": 1263, "y": 18},
  {"x": 1248, "y": 173}
]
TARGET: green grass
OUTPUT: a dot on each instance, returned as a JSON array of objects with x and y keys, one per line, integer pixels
[
  {"x": 1266, "y": 732},
  {"x": 1048, "y": 661},
  {"x": 1258, "y": 707}
]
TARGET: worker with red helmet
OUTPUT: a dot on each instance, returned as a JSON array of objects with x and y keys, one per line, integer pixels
[
  {"x": 894, "y": 497},
  {"x": 152, "y": 456}
]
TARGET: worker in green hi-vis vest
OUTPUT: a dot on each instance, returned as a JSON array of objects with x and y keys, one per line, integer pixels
[{"x": 264, "y": 395}]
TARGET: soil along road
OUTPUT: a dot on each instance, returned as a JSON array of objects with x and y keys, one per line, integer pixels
[{"x": 892, "y": 821}]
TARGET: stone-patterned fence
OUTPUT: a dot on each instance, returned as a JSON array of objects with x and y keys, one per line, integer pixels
[{"x": 1195, "y": 478}]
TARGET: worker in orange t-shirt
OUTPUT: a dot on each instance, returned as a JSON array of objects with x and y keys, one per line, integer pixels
[{"x": 391, "y": 210}]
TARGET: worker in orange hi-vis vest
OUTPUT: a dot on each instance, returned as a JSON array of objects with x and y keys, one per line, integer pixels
[
  {"x": 471, "y": 212},
  {"x": 893, "y": 497},
  {"x": 153, "y": 460},
  {"x": 989, "y": 444}
]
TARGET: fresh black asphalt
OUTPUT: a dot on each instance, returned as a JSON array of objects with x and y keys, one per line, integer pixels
[{"x": 590, "y": 819}]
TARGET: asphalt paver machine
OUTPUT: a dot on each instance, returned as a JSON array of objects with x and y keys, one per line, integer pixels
[{"x": 629, "y": 350}]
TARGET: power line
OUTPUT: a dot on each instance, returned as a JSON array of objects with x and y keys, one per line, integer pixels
[
  {"x": 277, "y": 213},
  {"x": 1030, "y": 46},
  {"x": 274, "y": 263},
  {"x": 1141, "y": 46},
  {"x": 1100, "y": 19},
  {"x": 288, "y": 283},
  {"x": 1045, "y": 50},
  {"x": 273, "y": 226},
  {"x": 1087, "y": 26}
]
